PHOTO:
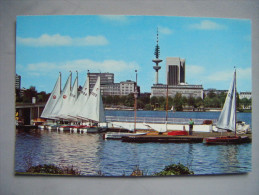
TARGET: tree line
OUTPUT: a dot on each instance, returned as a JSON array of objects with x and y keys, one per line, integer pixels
[
  {"x": 178, "y": 102},
  {"x": 26, "y": 96}
]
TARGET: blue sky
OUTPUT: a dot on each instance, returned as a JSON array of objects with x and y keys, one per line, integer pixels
[{"x": 46, "y": 45}]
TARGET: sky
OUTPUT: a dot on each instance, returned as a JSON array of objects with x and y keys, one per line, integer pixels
[{"x": 212, "y": 47}]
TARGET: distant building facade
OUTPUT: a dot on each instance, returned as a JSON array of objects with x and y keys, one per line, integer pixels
[
  {"x": 111, "y": 89},
  {"x": 17, "y": 81},
  {"x": 175, "y": 77},
  {"x": 127, "y": 87},
  {"x": 106, "y": 79},
  {"x": 108, "y": 87},
  {"x": 195, "y": 91},
  {"x": 216, "y": 91},
  {"x": 247, "y": 95}
]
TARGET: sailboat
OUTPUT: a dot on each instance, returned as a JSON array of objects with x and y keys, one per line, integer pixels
[
  {"x": 70, "y": 102},
  {"x": 62, "y": 100},
  {"x": 227, "y": 119},
  {"x": 53, "y": 98},
  {"x": 80, "y": 101},
  {"x": 52, "y": 101},
  {"x": 95, "y": 109}
]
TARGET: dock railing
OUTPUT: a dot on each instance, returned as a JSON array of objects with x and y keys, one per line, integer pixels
[{"x": 156, "y": 120}]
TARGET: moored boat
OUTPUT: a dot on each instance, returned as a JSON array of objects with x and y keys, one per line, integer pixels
[
  {"x": 52, "y": 127},
  {"x": 66, "y": 127},
  {"x": 119, "y": 135},
  {"x": 177, "y": 133},
  {"x": 227, "y": 120},
  {"x": 227, "y": 140}
]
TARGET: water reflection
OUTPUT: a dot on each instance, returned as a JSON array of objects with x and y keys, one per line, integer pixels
[
  {"x": 94, "y": 156},
  {"x": 65, "y": 149}
]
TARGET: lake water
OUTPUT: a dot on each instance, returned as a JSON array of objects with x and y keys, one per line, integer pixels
[{"x": 93, "y": 155}]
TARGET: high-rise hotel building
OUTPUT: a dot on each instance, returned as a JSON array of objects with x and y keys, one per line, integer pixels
[
  {"x": 175, "y": 79},
  {"x": 175, "y": 68}
]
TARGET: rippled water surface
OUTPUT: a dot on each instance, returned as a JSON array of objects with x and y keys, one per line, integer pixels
[{"x": 94, "y": 156}]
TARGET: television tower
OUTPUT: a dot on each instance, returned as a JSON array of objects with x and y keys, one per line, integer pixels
[{"x": 157, "y": 60}]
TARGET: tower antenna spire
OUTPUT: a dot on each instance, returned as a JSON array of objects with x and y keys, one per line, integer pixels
[
  {"x": 157, "y": 48},
  {"x": 157, "y": 60}
]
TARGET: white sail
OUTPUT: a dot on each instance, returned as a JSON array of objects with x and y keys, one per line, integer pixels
[
  {"x": 70, "y": 102},
  {"x": 227, "y": 118},
  {"x": 80, "y": 101},
  {"x": 94, "y": 106},
  {"x": 53, "y": 98},
  {"x": 63, "y": 99}
]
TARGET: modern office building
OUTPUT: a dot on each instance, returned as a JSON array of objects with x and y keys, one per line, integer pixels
[
  {"x": 108, "y": 87},
  {"x": 127, "y": 87},
  {"x": 106, "y": 79},
  {"x": 175, "y": 78},
  {"x": 111, "y": 89},
  {"x": 175, "y": 70},
  {"x": 17, "y": 81}
]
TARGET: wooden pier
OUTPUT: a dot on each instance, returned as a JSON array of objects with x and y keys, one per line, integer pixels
[{"x": 163, "y": 139}]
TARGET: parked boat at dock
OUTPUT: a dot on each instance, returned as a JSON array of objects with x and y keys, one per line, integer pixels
[
  {"x": 163, "y": 139},
  {"x": 227, "y": 120},
  {"x": 119, "y": 135}
]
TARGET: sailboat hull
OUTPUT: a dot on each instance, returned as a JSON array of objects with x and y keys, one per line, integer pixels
[{"x": 227, "y": 140}]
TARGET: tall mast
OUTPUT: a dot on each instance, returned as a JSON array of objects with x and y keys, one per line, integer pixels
[
  {"x": 235, "y": 91},
  {"x": 135, "y": 103},
  {"x": 166, "y": 103}
]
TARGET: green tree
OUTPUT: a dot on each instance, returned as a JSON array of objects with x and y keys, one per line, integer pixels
[
  {"x": 116, "y": 100},
  {"x": 184, "y": 100},
  {"x": 211, "y": 94},
  {"x": 122, "y": 100},
  {"x": 191, "y": 101},
  {"x": 177, "y": 101},
  {"x": 154, "y": 101},
  {"x": 18, "y": 95},
  {"x": 130, "y": 100},
  {"x": 162, "y": 102},
  {"x": 28, "y": 94},
  {"x": 145, "y": 99},
  {"x": 42, "y": 96},
  {"x": 148, "y": 107},
  {"x": 199, "y": 102}
]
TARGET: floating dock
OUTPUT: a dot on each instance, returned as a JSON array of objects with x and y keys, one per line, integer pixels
[{"x": 163, "y": 139}]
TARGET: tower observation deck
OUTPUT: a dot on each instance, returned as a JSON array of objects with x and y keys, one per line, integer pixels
[{"x": 157, "y": 60}]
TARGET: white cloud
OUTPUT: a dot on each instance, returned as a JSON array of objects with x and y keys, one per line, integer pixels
[
  {"x": 220, "y": 76},
  {"x": 244, "y": 73},
  {"x": 195, "y": 70},
  {"x": 164, "y": 30},
  {"x": 115, "y": 18},
  {"x": 226, "y": 75},
  {"x": 116, "y": 66},
  {"x": 207, "y": 25},
  {"x": 41, "y": 67},
  {"x": 60, "y": 40}
]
